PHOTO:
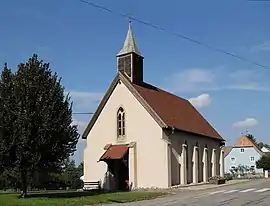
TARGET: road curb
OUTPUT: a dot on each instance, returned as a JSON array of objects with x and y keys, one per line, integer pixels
[
  {"x": 189, "y": 188},
  {"x": 235, "y": 183}
]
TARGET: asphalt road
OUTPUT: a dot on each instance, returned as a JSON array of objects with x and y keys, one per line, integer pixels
[{"x": 255, "y": 192}]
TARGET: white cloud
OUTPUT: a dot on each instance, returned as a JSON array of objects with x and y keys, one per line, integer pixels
[
  {"x": 253, "y": 86},
  {"x": 248, "y": 122},
  {"x": 201, "y": 101},
  {"x": 191, "y": 80},
  {"x": 252, "y": 80},
  {"x": 261, "y": 47},
  {"x": 198, "y": 76},
  {"x": 85, "y": 101},
  {"x": 202, "y": 80}
]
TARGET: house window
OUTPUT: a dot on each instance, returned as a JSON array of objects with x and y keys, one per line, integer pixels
[
  {"x": 252, "y": 159},
  {"x": 242, "y": 150},
  {"x": 233, "y": 159},
  {"x": 121, "y": 124}
]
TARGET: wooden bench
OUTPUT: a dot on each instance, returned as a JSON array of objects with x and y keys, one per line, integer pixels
[{"x": 92, "y": 185}]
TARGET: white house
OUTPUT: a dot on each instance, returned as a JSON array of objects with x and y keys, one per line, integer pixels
[{"x": 244, "y": 152}]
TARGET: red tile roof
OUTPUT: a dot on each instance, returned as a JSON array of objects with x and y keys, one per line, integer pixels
[
  {"x": 244, "y": 141},
  {"x": 175, "y": 111},
  {"x": 115, "y": 152}
]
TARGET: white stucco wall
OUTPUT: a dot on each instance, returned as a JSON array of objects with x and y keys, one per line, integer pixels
[{"x": 152, "y": 160}]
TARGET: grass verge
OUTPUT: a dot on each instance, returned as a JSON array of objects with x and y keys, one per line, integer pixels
[{"x": 71, "y": 199}]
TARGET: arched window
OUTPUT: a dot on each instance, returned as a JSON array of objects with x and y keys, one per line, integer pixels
[{"x": 121, "y": 125}]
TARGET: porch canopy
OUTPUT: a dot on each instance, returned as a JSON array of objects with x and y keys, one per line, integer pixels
[{"x": 114, "y": 152}]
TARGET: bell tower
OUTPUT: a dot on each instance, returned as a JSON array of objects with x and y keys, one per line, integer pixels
[{"x": 130, "y": 60}]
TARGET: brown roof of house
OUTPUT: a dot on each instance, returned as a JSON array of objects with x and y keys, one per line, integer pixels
[
  {"x": 244, "y": 141},
  {"x": 167, "y": 109},
  {"x": 175, "y": 111},
  {"x": 114, "y": 152},
  {"x": 227, "y": 150}
]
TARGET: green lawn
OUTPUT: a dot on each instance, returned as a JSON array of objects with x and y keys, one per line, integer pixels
[{"x": 74, "y": 198}]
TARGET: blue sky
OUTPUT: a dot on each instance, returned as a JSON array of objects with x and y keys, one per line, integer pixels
[{"x": 81, "y": 42}]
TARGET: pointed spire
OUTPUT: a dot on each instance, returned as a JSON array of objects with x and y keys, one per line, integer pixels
[{"x": 130, "y": 43}]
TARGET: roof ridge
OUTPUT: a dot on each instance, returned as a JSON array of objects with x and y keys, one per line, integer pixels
[{"x": 163, "y": 90}]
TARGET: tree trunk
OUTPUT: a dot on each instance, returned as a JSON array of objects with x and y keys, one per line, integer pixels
[{"x": 23, "y": 183}]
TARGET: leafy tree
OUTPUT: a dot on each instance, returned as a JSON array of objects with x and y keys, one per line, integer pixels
[
  {"x": 71, "y": 175},
  {"x": 79, "y": 183},
  {"x": 264, "y": 162},
  {"x": 261, "y": 145},
  {"x": 240, "y": 170},
  {"x": 80, "y": 169},
  {"x": 35, "y": 121},
  {"x": 8, "y": 180},
  {"x": 252, "y": 138}
]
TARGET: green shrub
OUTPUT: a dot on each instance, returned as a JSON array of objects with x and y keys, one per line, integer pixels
[{"x": 228, "y": 177}]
